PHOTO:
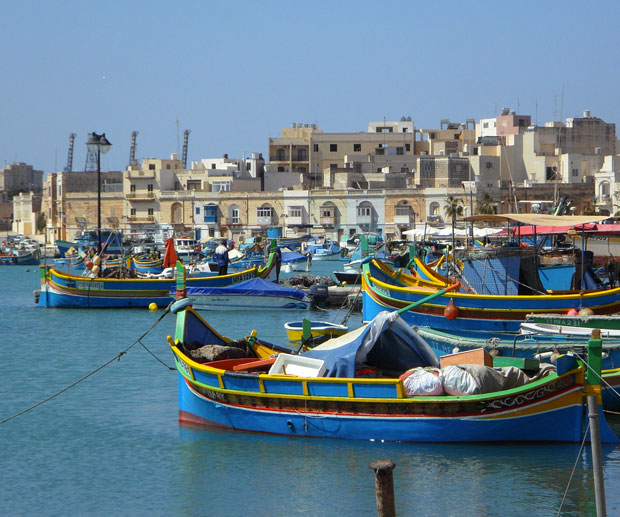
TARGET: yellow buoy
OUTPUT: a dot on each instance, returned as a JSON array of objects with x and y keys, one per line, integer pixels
[{"x": 153, "y": 306}]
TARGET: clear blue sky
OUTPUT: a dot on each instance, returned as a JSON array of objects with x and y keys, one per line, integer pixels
[{"x": 236, "y": 72}]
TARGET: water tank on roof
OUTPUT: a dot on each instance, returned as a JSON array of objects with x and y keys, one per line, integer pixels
[{"x": 586, "y": 113}]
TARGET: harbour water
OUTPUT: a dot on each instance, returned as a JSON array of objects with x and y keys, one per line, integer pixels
[{"x": 112, "y": 445}]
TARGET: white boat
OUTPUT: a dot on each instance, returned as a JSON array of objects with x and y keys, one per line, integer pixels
[{"x": 547, "y": 329}]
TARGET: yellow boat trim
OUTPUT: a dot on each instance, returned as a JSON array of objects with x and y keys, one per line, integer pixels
[
  {"x": 453, "y": 294},
  {"x": 397, "y": 383}
]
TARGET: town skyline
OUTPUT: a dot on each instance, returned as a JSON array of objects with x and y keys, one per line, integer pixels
[{"x": 235, "y": 74}]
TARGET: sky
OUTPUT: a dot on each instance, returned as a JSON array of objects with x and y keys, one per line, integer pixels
[{"x": 236, "y": 72}]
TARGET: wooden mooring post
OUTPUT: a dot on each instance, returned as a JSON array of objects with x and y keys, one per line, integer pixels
[{"x": 384, "y": 487}]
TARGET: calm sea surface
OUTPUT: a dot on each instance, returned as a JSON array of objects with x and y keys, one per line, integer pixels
[{"x": 112, "y": 445}]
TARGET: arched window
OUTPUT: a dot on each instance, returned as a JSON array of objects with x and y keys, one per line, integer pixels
[{"x": 234, "y": 215}]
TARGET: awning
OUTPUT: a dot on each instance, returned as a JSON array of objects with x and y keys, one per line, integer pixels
[{"x": 538, "y": 219}]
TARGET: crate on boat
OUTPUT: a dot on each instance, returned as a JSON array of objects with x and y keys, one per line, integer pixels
[
  {"x": 520, "y": 362},
  {"x": 476, "y": 356},
  {"x": 287, "y": 364}
]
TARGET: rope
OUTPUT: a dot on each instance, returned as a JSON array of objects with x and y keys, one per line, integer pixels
[
  {"x": 351, "y": 306},
  {"x": 117, "y": 357},
  {"x": 573, "y": 471}
]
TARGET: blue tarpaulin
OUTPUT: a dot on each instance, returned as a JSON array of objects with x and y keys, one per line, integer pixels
[
  {"x": 386, "y": 343},
  {"x": 253, "y": 287}
]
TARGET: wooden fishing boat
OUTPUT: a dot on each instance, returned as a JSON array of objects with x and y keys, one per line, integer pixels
[
  {"x": 17, "y": 257},
  {"x": 147, "y": 264},
  {"x": 322, "y": 393},
  {"x": 320, "y": 330},
  {"x": 65, "y": 290},
  {"x": 387, "y": 289}
]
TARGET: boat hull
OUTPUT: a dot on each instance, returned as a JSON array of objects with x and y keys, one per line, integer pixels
[
  {"x": 556, "y": 419},
  {"x": 319, "y": 329},
  {"x": 70, "y": 291}
]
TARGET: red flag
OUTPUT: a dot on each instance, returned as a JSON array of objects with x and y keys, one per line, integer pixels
[{"x": 170, "y": 257}]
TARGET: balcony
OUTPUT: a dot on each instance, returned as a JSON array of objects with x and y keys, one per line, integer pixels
[
  {"x": 231, "y": 221},
  {"x": 328, "y": 220},
  {"x": 140, "y": 218},
  {"x": 264, "y": 220},
  {"x": 141, "y": 196},
  {"x": 294, "y": 220},
  {"x": 141, "y": 174},
  {"x": 402, "y": 219}
]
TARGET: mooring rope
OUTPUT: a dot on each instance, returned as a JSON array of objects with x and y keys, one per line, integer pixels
[
  {"x": 117, "y": 357},
  {"x": 583, "y": 442}
]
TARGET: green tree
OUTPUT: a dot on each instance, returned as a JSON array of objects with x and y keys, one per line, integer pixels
[
  {"x": 486, "y": 204},
  {"x": 41, "y": 222},
  {"x": 589, "y": 207},
  {"x": 453, "y": 209}
]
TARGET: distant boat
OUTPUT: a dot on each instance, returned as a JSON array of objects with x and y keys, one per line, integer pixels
[
  {"x": 111, "y": 241},
  {"x": 64, "y": 290},
  {"x": 17, "y": 257}
]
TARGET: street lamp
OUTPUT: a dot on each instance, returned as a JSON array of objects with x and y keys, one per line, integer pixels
[{"x": 100, "y": 145}]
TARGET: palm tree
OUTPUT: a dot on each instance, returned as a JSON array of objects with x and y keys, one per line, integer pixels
[
  {"x": 453, "y": 209},
  {"x": 486, "y": 204}
]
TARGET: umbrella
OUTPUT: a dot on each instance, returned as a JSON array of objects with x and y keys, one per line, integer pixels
[{"x": 170, "y": 257}]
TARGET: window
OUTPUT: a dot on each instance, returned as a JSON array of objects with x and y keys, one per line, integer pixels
[
  {"x": 212, "y": 166},
  {"x": 210, "y": 214},
  {"x": 220, "y": 186},
  {"x": 489, "y": 165},
  {"x": 363, "y": 211},
  {"x": 400, "y": 150},
  {"x": 333, "y": 165},
  {"x": 132, "y": 211},
  {"x": 151, "y": 211},
  {"x": 357, "y": 148},
  {"x": 197, "y": 210},
  {"x": 316, "y": 148},
  {"x": 302, "y": 155},
  {"x": 280, "y": 155},
  {"x": 248, "y": 166},
  {"x": 402, "y": 210},
  {"x": 151, "y": 166},
  {"x": 234, "y": 215},
  {"x": 427, "y": 167},
  {"x": 575, "y": 172},
  {"x": 132, "y": 188},
  {"x": 485, "y": 125},
  {"x": 167, "y": 166},
  {"x": 326, "y": 211},
  {"x": 294, "y": 212},
  {"x": 333, "y": 148},
  {"x": 407, "y": 147},
  {"x": 149, "y": 187},
  {"x": 263, "y": 212}
]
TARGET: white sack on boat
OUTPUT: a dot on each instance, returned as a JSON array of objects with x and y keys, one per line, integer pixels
[
  {"x": 470, "y": 379},
  {"x": 422, "y": 382}
]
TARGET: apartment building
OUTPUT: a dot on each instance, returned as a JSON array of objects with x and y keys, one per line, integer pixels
[
  {"x": 306, "y": 149},
  {"x": 20, "y": 175}
]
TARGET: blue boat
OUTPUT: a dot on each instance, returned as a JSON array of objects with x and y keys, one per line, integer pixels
[
  {"x": 64, "y": 290},
  {"x": 254, "y": 294},
  {"x": 349, "y": 387}
]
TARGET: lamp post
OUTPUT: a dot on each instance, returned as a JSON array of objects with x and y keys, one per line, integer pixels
[{"x": 100, "y": 145}]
